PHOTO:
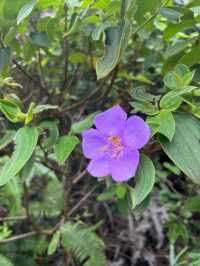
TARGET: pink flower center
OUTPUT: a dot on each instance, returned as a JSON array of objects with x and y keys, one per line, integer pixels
[{"x": 116, "y": 145}]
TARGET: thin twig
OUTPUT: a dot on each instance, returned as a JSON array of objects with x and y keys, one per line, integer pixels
[
  {"x": 83, "y": 100},
  {"x": 66, "y": 191},
  {"x": 57, "y": 170},
  {"x": 77, "y": 178},
  {"x": 17, "y": 237},
  {"x": 65, "y": 51},
  {"x": 13, "y": 218},
  {"x": 30, "y": 77},
  {"x": 78, "y": 205},
  {"x": 74, "y": 77},
  {"x": 109, "y": 88}
]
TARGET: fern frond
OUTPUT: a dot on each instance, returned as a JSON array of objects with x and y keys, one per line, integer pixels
[
  {"x": 4, "y": 261},
  {"x": 83, "y": 244},
  {"x": 51, "y": 203}
]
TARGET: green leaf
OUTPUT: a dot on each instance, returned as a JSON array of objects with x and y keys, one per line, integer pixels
[
  {"x": 11, "y": 111},
  {"x": 40, "y": 39},
  {"x": 53, "y": 245},
  {"x": 171, "y": 14},
  {"x": 191, "y": 57},
  {"x": 172, "y": 29},
  {"x": 140, "y": 77},
  {"x": 101, "y": 4},
  {"x": 182, "y": 70},
  {"x": 91, "y": 20},
  {"x": 177, "y": 230},
  {"x": 44, "y": 107},
  {"x": 194, "y": 3},
  {"x": 188, "y": 78},
  {"x": 84, "y": 124},
  {"x": 172, "y": 168},
  {"x": 29, "y": 50},
  {"x": 140, "y": 93},
  {"x": 51, "y": 125},
  {"x": 107, "y": 195},
  {"x": 145, "y": 8},
  {"x": 172, "y": 80},
  {"x": 11, "y": 8},
  {"x": 113, "y": 8},
  {"x": 175, "y": 49},
  {"x": 86, "y": 3},
  {"x": 5, "y": 54},
  {"x": 52, "y": 28},
  {"x": 74, "y": 24},
  {"x": 184, "y": 149},
  {"x": 45, "y": 4},
  {"x": 26, "y": 141},
  {"x": 99, "y": 29},
  {"x": 172, "y": 100},
  {"x": 123, "y": 206},
  {"x": 12, "y": 98},
  {"x": 25, "y": 11},
  {"x": 29, "y": 115},
  {"x": 163, "y": 123},
  {"x": 171, "y": 62},
  {"x": 179, "y": 78},
  {"x": 73, "y": 3},
  {"x": 77, "y": 58},
  {"x": 116, "y": 41},
  {"x": 144, "y": 107},
  {"x": 144, "y": 181},
  {"x": 4, "y": 261},
  {"x": 121, "y": 190},
  {"x": 64, "y": 147},
  {"x": 28, "y": 170}
]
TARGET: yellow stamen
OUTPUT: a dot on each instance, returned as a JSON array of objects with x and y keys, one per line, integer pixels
[{"x": 117, "y": 146}]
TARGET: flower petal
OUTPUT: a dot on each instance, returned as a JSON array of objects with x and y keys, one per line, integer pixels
[
  {"x": 137, "y": 132},
  {"x": 124, "y": 167},
  {"x": 93, "y": 144},
  {"x": 99, "y": 167},
  {"x": 111, "y": 122}
]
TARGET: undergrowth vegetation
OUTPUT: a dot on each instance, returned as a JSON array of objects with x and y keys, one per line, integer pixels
[{"x": 116, "y": 82}]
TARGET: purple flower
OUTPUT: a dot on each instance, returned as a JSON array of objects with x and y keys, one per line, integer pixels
[
  {"x": 47, "y": 14},
  {"x": 113, "y": 146}
]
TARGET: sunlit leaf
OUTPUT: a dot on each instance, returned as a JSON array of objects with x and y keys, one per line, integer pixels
[
  {"x": 172, "y": 100},
  {"x": 163, "y": 123},
  {"x": 25, "y": 11},
  {"x": 144, "y": 181},
  {"x": 184, "y": 149},
  {"x": 84, "y": 124},
  {"x": 116, "y": 41},
  {"x": 64, "y": 147},
  {"x": 53, "y": 245},
  {"x": 12, "y": 111}
]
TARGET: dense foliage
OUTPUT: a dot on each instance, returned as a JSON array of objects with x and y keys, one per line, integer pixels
[{"x": 62, "y": 62}]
